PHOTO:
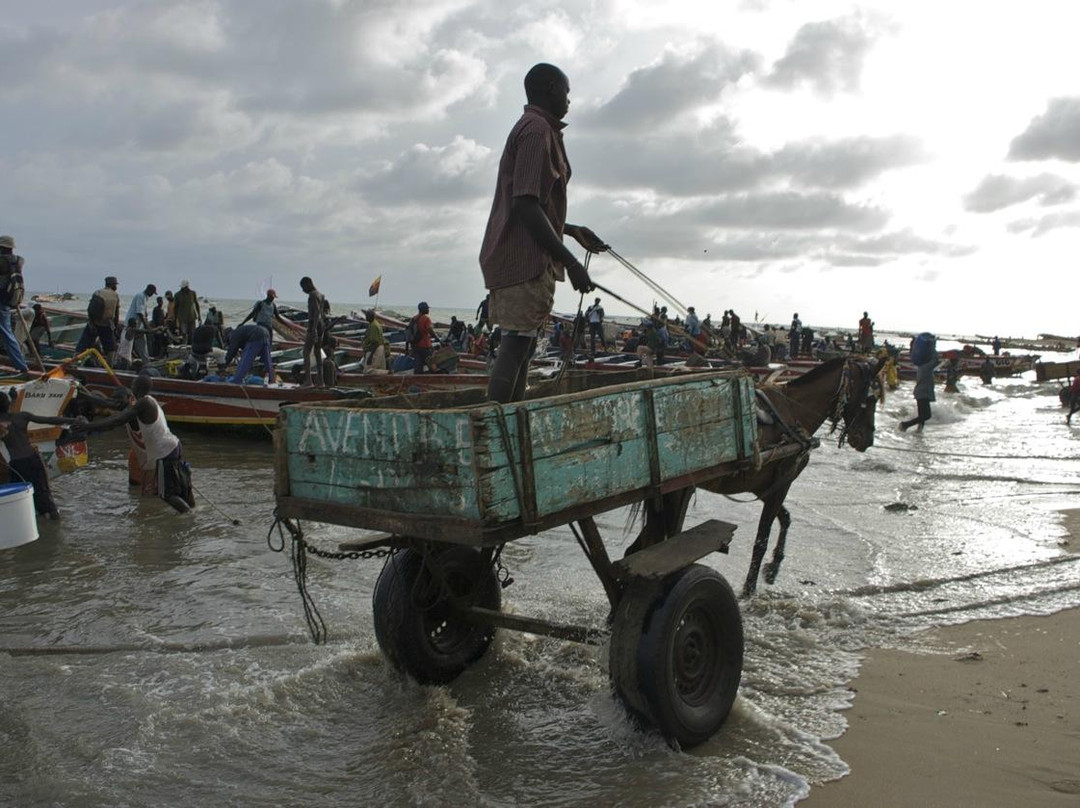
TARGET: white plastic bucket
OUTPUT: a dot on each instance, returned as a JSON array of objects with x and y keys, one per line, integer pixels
[{"x": 18, "y": 522}]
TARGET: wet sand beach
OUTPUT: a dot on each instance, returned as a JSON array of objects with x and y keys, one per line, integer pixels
[{"x": 989, "y": 717}]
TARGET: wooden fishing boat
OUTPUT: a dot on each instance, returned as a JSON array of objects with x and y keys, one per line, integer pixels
[
  {"x": 971, "y": 364},
  {"x": 211, "y": 403},
  {"x": 65, "y": 326},
  {"x": 222, "y": 404},
  {"x": 452, "y": 478},
  {"x": 49, "y": 396}
]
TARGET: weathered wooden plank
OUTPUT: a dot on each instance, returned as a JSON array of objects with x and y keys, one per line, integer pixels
[
  {"x": 488, "y": 534},
  {"x": 652, "y": 449},
  {"x": 527, "y": 477},
  {"x": 380, "y": 435},
  {"x": 569, "y": 453},
  {"x": 696, "y": 447},
  {"x": 602, "y": 469},
  {"x": 673, "y": 554},
  {"x": 281, "y": 461},
  {"x": 408, "y": 495},
  {"x": 419, "y": 525},
  {"x": 363, "y": 473},
  {"x": 490, "y": 453},
  {"x": 613, "y": 418},
  {"x": 626, "y": 463}
]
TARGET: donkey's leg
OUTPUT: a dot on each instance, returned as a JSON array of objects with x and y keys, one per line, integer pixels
[
  {"x": 761, "y": 544},
  {"x": 772, "y": 569}
]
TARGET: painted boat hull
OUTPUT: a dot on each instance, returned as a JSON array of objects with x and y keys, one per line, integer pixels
[{"x": 226, "y": 405}]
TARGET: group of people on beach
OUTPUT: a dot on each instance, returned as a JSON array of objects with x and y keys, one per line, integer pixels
[{"x": 150, "y": 325}]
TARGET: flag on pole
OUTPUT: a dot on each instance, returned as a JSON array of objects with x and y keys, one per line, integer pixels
[{"x": 374, "y": 288}]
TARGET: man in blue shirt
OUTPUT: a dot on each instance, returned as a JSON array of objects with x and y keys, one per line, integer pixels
[
  {"x": 255, "y": 340},
  {"x": 139, "y": 311}
]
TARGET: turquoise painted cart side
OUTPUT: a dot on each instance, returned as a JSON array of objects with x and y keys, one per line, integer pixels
[{"x": 450, "y": 478}]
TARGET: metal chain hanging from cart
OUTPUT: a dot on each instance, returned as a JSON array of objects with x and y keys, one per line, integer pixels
[{"x": 299, "y": 550}]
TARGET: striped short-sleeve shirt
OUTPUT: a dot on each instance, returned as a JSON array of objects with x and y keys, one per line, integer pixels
[{"x": 533, "y": 164}]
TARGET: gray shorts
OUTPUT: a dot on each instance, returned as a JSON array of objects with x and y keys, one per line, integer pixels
[{"x": 524, "y": 307}]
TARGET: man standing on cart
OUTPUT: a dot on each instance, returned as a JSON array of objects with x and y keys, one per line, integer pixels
[{"x": 523, "y": 255}]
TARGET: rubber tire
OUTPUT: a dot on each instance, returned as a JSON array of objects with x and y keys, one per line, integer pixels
[
  {"x": 426, "y": 640},
  {"x": 676, "y": 653}
]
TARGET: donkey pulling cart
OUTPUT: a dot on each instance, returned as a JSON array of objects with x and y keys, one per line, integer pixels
[{"x": 449, "y": 479}]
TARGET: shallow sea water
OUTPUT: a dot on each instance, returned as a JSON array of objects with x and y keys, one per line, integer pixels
[{"x": 140, "y": 701}]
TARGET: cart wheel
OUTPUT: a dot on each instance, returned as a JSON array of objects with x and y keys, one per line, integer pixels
[
  {"x": 677, "y": 652},
  {"x": 415, "y": 622}
]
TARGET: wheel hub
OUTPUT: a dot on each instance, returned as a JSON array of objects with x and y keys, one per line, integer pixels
[{"x": 695, "y": 657}]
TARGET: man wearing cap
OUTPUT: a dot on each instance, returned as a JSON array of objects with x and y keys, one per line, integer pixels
[
  {"x": 187, "y": 311},
  {"x": 265, "y": 312},
  {"x": 523, "y": 255},
  {"x": 10, "y": 288},
  {"x": 103, "y": 320},
  {"x": 139, "y": 311}
]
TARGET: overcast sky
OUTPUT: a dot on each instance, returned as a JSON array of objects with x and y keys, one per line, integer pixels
[{"x": 918, "y": 160}]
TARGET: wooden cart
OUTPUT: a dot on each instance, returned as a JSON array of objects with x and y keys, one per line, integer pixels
[{"x": 450, "y": 478}]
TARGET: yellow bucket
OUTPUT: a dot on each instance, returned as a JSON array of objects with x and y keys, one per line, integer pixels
[{"x": 70, "y": 456}]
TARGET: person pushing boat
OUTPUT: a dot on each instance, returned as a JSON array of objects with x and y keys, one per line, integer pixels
[
  {"x": 24, "y": 460},
  {"x": 158, "y": 450}
]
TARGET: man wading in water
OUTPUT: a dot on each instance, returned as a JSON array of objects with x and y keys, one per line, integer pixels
[
  {"x": 163, "y": 470},
  {"x": 523, "y": 254}
]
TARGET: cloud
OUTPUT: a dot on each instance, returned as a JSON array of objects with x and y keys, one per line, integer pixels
[
  {"x": 897, "y": 243},
  {"x": 789, "y": 210},
  {"x": 25, "y": 55},
  {"x": 1036, "y": 227},
  {"x": 714, "y": 161},
  {"x": 323, "y": 57},
  {"x": 463, "y": 169},
  {"x": 739, "y": 227},
  {"x": 676, "y": 164},
  {"x": 555, "y": 33},
  {"x": 828, "y": 56},
  {"x": 1053, "y": 135},
  {"x": 679, "y": 82},
  {"x": 848, "y": 162},
  {"x": 997, "y": 191}
]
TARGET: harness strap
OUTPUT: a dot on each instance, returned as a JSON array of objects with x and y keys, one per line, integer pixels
[{"x": 798, "y": 436}]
